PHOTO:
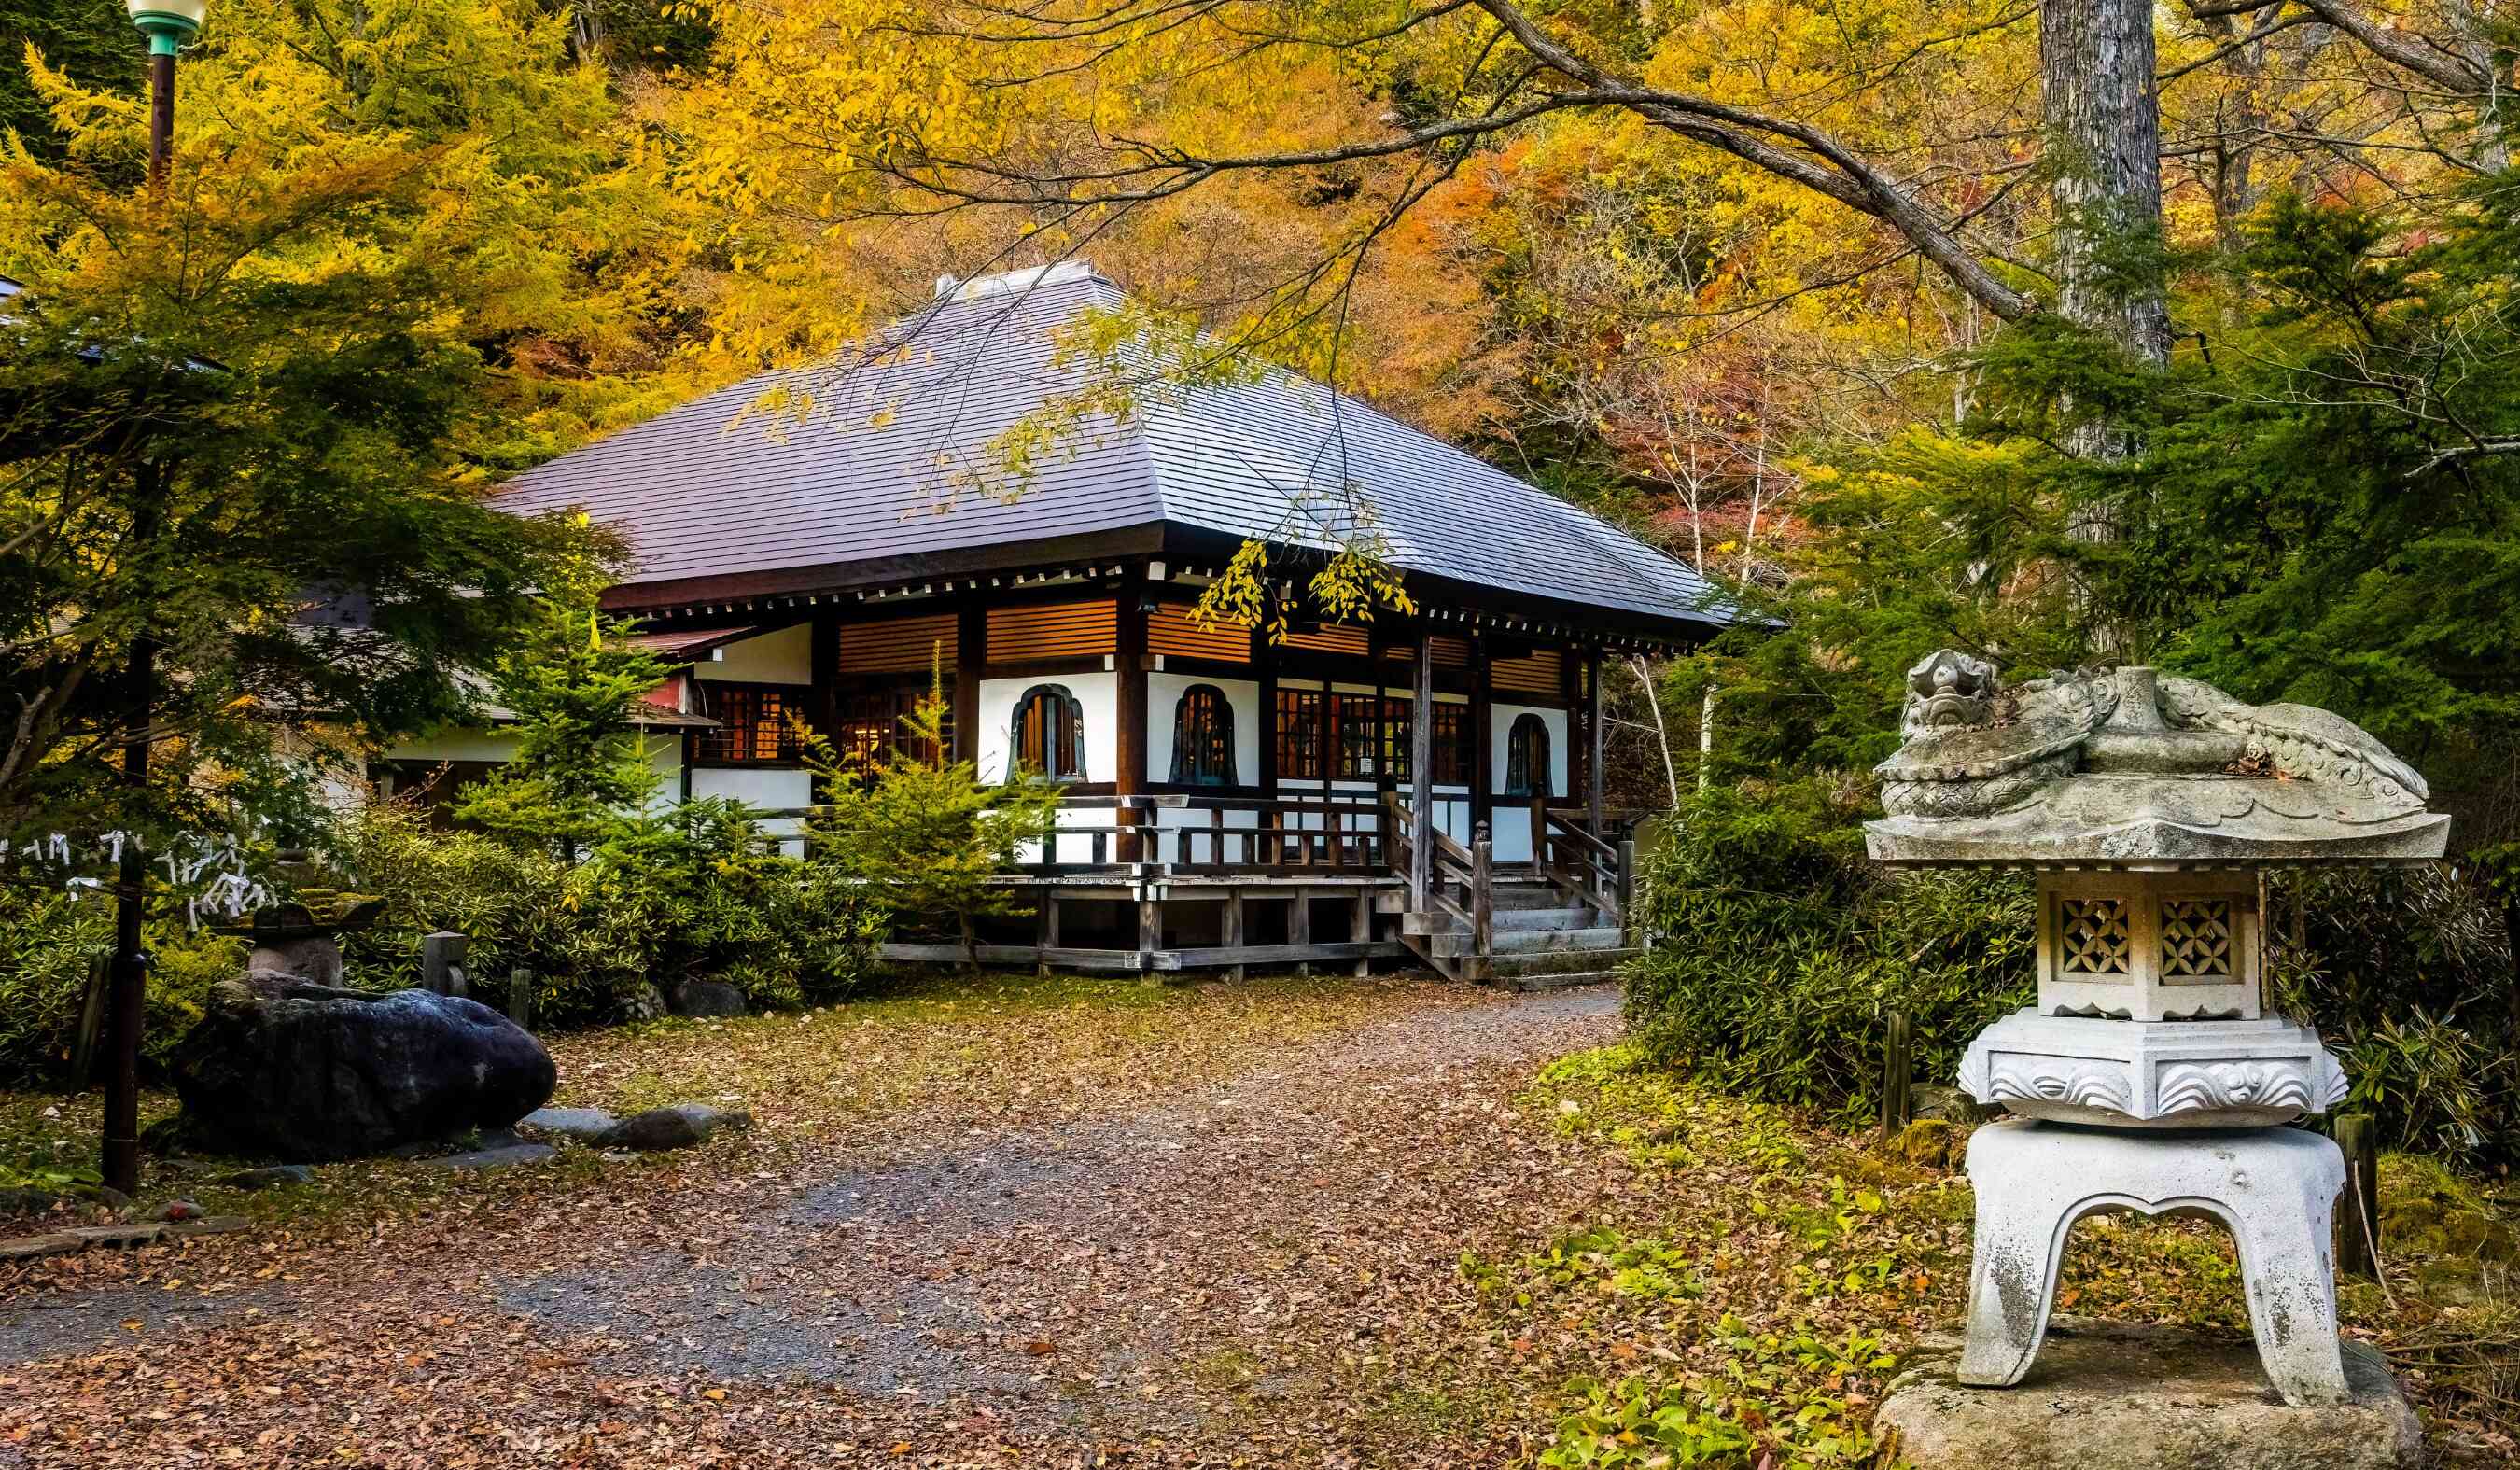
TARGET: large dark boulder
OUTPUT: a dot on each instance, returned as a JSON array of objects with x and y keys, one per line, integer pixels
[
  {"x": 295, "y": 1071},
  {"x": 705, "y": 998}
]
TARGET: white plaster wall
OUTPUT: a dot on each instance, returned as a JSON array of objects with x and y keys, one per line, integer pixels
[
  {"x": 1512, "y": 827},
  {"x": 761, "y": 787},
  {"x": 783, "y": 656},
  {"x": 1100, "y": 696},
  {"x": 1163, "y": 700}
]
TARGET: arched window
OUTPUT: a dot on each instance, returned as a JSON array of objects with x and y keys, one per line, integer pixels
[
  {"x": 1203, "y": 738},
  {"x": 1526, "y": 757},
  {"x": 1048, "y": 731}
]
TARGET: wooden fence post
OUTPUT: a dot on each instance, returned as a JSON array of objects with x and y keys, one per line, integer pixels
[
  {"x": 520, "y": 998},
  {"x": 441, "y": 963},
  {"x": 1482, "y": 892},
  {"x": 2357, "y": 1217},
  {"x": 1898, "y": 1075},
  {"x": 91, "y": 1023}
]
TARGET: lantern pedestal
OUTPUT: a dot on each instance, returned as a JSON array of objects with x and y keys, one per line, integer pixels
[
  {"x": 2112, "y": 1395},
  {"x": 2275, "y": 1190}
]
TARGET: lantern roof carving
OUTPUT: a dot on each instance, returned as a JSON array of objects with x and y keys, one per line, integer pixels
[{"x": 2130, "y": 766}]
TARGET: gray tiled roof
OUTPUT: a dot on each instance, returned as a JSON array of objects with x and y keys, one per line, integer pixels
[{"x": 893, "y": 462}]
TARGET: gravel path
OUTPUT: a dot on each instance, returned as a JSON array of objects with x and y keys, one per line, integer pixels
[{"x": 1245, "y": 1268}]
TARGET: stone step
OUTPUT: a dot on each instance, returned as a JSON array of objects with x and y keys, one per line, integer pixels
[
  {"x": 1556, "y": 966},
  {"x": 1561, "y": 980},
  {"x": 1527, "y": 941},
  {"x": 1543, "y": 919}
]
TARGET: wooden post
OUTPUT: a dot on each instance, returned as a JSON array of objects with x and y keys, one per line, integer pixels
[
  {"x": 1592, "y": 733},
  {"x": 1540, "y": 834},
  {"x": 1359, "y": 927},
  {"x": 1482, "y": 891},
  {"x": 1150, "y": 928},
  {"x": 1264, "y": 664},
  {"x": 1898, "y": 1075},
  {"x": 1129, "y": 707},
  {"x": 2358, "y": 1214},
  {"x": 91, "y": 1023},
  {"x": 1627, "y": 882},
  {"x": 441, "y": 963},
  {"x": 1230, "y": 931},
  {"x": 1299, "y": 926},
  {"x": 520, "y": 998},
  {"x": 1482, "y": 736},
  {"x": 970, "y": 651},
  {"x": 1421, "y": 776},
  {"x": 1045, "y": 931}
]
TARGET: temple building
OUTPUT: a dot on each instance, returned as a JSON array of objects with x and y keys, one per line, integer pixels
[{"x": 829, "y": 540}]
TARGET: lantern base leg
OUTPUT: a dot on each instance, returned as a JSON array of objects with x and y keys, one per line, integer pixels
[{"x": 2273, "y": 1188}]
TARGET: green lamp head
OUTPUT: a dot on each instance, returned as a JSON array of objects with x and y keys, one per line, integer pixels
[{"x": 168, "y": 24}]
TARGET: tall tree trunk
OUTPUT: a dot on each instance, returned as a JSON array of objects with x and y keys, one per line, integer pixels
[
  {"x": 2103, "y": 117},
  {"x": 2103, "y": 120}
]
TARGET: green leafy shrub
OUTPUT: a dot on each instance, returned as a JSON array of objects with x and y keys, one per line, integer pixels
[
  {"x": 47, "y": 938},
  {"x": 1778, "y": 951},
  {"x": 1777, "y": 1398},
  {"x": 696, "y": 889},
  {"x": 2407, "y": 973}
]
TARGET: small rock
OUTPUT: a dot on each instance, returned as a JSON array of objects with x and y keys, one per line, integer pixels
[
  {"x": 209, "y": 1225},
  {"x": 643, "y": 1001},
  {"x": 1927, "y": 1142},
  {"x": 681, "y": 1126},
  {"x": 705, "y": 998},
  {"x": 1950, "y": 1104},
  {"x": 26, "y": 1200},
  {"x": 109, "y": 1196},
  {"x": 584, "y": 1124},
  {"x": 270, "y": 1177},
  {"x": 176, "y": 1208},
  {"x": 495, "y": 1158}
]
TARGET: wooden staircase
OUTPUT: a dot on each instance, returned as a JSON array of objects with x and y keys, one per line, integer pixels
[{"x": 1554, "y": 923}]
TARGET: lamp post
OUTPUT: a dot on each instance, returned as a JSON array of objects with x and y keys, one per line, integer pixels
[{"x": 168, "y": 24}]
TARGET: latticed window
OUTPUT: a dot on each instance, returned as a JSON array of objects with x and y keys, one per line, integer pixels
[
  {"x": 872, "y": 724},
  {"x": 1356, "y": 723},
  {"x": 1203, "y": 738},
  {"x": 751, "y": 723},
  {"x": 1453, "y": 759},
  {"x": 1299, "y": 734},
  {"x": 1048, "y": 733},
  {"x": 1526, "y": 757},
  {"x": 2196, "y": 938},
  {"x": 2094, "y": 936}
]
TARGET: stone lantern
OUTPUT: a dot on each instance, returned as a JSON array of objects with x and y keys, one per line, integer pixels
[{"x": 2149, "y": 1077}]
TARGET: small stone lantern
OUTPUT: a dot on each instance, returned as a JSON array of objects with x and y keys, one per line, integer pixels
[{"x": 2148, "y": 1075}]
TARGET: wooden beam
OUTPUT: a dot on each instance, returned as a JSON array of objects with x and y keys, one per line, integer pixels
[
  {"x": 1229, "y": 933},
  {"x": 1299, "y": 928},
  {"x": 1360, "y": 929},
  {"x": 1046, "y": 928},
  {"x": 1277, "y": 953}
]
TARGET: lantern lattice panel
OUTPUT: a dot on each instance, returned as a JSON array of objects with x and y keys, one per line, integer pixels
[
  {"x": 2196, "y": 938},
  {"x": 2096, "y": 936}
]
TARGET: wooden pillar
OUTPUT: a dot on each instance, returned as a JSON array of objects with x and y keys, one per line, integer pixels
[
  {"x": 824, "y": 693},
  {"x": 1482, "y": 734},
  {"x": 1421, "y": 776},
  {"x": 1264, "y": 666},
  {"x": 1229, "y": 933},
  {"x": 1592, "y": 731},
  {"x": 970, "y": 650},
  {"x": 1299, "y": 925},
  {"x": 1359, "y": 927},
  {"x": 2357, "y": 1213},
  {"x": 1045, "y": 931},
  {"x": 1130, "y": 709},
  {"x": 1150, "y": 927}
]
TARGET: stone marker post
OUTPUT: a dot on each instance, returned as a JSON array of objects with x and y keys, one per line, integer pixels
[{"x": 441, "y": 963}]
